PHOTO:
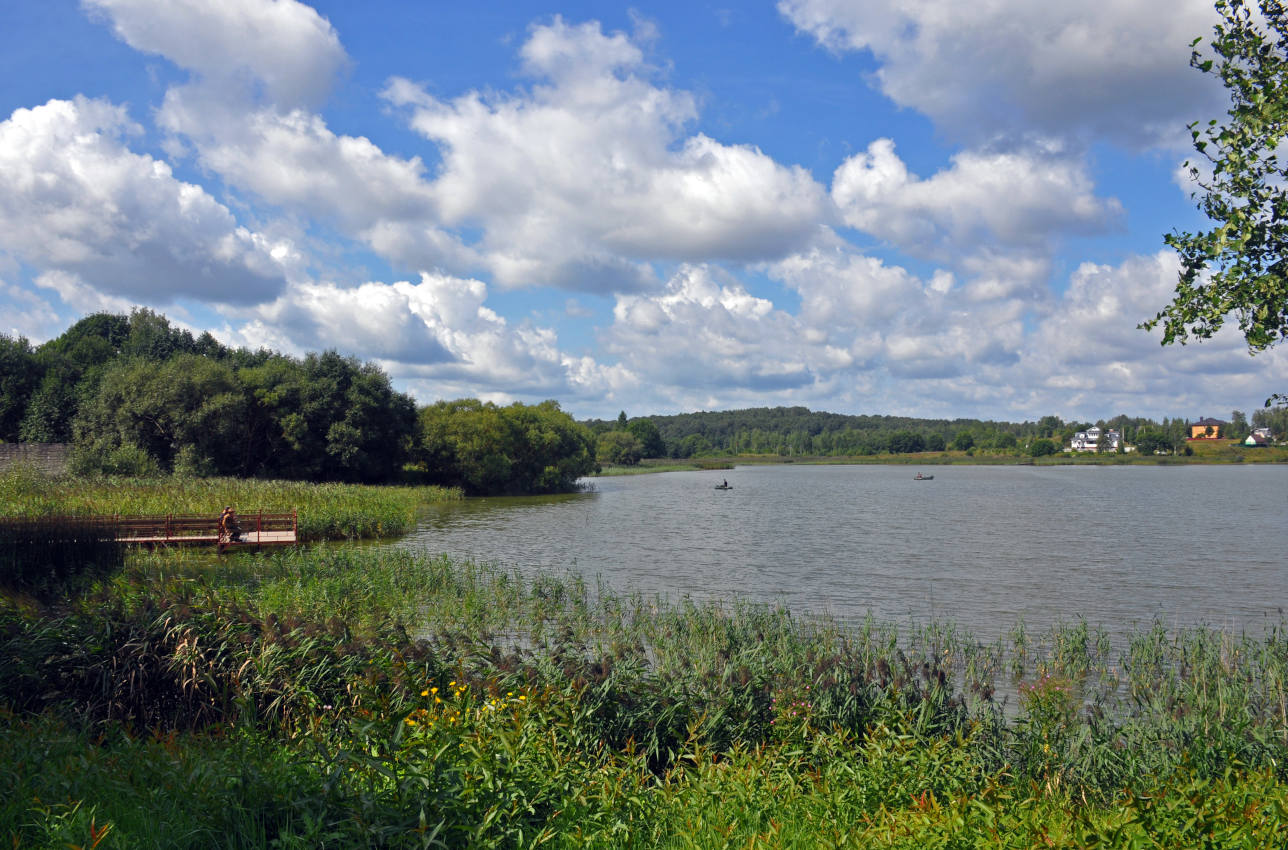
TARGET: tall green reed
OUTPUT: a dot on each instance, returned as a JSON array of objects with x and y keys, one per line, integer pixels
[{"x": 326, "y": 511}]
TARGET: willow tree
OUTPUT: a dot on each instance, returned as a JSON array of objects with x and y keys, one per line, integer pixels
[{"x": 1238, "y": 267}]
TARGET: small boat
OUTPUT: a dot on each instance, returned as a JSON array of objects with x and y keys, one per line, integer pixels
[
  {"x": 724, "y": 486},
  {"x": 920, "y": 477}
]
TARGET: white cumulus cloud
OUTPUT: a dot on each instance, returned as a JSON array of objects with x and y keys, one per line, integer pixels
[
  {"x": 1012, "y": 67},
  {"x": 1023, "y": 199},
  {"x": 580, "y": 180},
  {"x": 75, "y": 199},
  {"x": 279, "y": 49}
]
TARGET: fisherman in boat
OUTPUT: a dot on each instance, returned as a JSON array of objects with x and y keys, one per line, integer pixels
[
  {"x": 726, "y": 484},
  {"x": 228, "y": 525}
]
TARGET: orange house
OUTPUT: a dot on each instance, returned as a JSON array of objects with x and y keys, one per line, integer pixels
[{"x": 1206, "y": 429}]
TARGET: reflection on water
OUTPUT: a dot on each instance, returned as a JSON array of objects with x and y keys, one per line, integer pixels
[{"x": 981, "y": 546}]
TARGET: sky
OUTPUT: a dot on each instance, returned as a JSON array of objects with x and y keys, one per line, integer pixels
[{"x": 949, "y": 208}]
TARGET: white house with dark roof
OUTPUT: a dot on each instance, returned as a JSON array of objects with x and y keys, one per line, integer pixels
[
  {"x": 1259, "y": 437},
  {"x": 1094, "y": 439}
]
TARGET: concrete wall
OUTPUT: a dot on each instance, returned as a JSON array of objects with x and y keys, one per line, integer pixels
[{"x": 51, "y": 458}]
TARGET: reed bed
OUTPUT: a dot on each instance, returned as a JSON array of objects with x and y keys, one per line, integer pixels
[
  {"x": 369, "y": 697},
  {"x": 326, "y": 511},
  {"x": 43, "y": 554}
]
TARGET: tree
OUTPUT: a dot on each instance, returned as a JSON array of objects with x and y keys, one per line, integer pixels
[
  {"x": 1238, "y": 428},
  {"x": 1150, "y": 441},
  {"x": 1003, "y": 440},
  {"x": 187, "y": 405},
  {"x": 487, "y": 449},
  {"x": 650, "y": 438},
  {"x": 906, "y": 442},
  {"x": 19, "y": 377},
  {"x": 621, "y": 448},
  {"x": 1240, "y": 265},
  {"x": 963, "y": 441},
  {"x": 1042, "y": 447}
]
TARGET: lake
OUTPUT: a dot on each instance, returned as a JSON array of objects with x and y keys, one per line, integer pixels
[{"x": 981, "y": 546}]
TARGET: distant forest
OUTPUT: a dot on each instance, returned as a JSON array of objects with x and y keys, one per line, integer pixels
[{"x": 792, "y": 431}]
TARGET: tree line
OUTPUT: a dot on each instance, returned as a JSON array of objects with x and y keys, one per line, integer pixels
[
  {"x": 136, "y": 396},
  {"x": 799, "y": 431}
]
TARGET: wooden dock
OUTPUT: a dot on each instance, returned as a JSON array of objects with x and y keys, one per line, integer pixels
[{"x": 258, "y": 528}]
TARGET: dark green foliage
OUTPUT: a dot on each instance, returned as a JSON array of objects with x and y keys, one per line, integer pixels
[
  {"x": 187, "y": 402},
  {"x": 651, "y": 443},
  {"x": 620, "y": 448},
  {"x": 522, "y": 448},
  {"x": 906, "y": 442},
  {"x": 1240, "y": 265},
  {"x": 19, "y": 376},
  {"x": 140, "y": 396},
  {"x": 483, "y": 448},
  {"x": 327, "y": 417},
  {"x": 788, "y": 431},
  {"x": 1043, "y": 448},
  {"x": 1151, "y": 441}
]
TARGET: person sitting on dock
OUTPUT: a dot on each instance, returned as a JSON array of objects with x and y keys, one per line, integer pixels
[{"x": 228, "y": 525}]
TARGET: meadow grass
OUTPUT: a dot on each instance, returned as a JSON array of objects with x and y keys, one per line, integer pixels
[
  {"x": 326, "y": 511},
  {"x": 367, "y": 696}
]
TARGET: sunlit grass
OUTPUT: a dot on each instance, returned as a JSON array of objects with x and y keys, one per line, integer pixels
[
  {"x": 326, "y": 511},
  {"x": 364, "y": 696}
]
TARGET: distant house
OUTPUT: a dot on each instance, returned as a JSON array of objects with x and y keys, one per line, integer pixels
[
  {"x": 1095, "y": 440},
  {"x": 1258, "y": 437},
  {"x": 1200, "y": 430}
]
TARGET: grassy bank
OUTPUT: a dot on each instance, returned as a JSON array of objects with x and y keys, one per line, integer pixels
[
  {"x": 664, "y": 465},
  {"x": 1204, "y": 452},
  {"x": 326, "y": 511},
  {"x": 346, "y": 697}
]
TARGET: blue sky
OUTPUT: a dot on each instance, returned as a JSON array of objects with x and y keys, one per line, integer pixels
[{"x": 864, "y": 206}]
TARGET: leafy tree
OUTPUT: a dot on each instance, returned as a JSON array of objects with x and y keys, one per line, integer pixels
[
  {"x": 1042, "y": 447},
  {"x": 1238, "y": 428},
  {"x": 187, "y": 404},
  {"x": 651, "y": 444},
  {"x": 19, "y": 377},
  {"x": 551, "y": 451},
  {"x": 935, "y": 442},
  {"x": 1240, "y": 265},
  {"x": 484, "y": 448},
  {"x": 327, "y": 417},
  {"x": 1276, "y": 419},
  {"x": 963, "y": 441},
  {"x": 1150, "y": 441},
  {"x": 71, "y": 365},
  {"x": 1049, "y": 426},
  {"x": 906, "y": 442},
  {"x": 621, "y": 448}
]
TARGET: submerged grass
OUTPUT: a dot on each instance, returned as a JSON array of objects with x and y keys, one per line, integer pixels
[
  {"x": 367, "y": 697},
  {"x": 326, "y": 511}
]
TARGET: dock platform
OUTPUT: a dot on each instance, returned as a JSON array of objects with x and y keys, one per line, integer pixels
[{"x": 258, "y": 528}]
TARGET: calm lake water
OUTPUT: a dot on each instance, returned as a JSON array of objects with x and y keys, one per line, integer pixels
[{"x": 979, "y": 545}]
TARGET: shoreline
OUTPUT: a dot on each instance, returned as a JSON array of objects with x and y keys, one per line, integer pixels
[{"x": 1210, "y": 456}]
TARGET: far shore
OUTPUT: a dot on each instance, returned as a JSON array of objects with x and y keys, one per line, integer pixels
[{"x": 1205, "y": 452}]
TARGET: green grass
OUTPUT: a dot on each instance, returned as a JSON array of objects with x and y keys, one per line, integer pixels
[
  {"x": 326, "y": 511},
  {"x": 359, "y": 696}
]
